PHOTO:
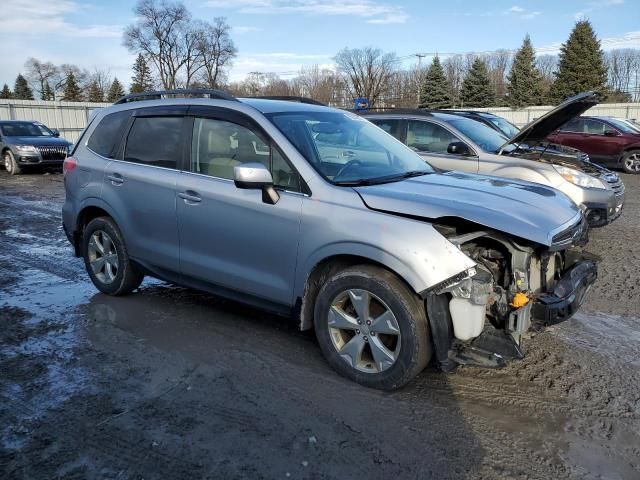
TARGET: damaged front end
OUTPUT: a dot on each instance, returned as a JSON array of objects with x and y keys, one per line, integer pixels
[{"x": 481, "y": 317}]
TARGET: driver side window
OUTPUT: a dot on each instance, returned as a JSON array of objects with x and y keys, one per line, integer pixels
[{"x": 424, "y": 136}]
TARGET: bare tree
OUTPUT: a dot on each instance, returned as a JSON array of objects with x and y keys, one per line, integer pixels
[
  {"x": 39, "y": 74},
  {"x": 317, "y": 83},
  {"x": 216, "y": 51},
  {"x": 102, "y": 78},
  {"x": 547, "y": 65},
  {"x": 367, "y": 72},
  {"x": 498, "y": 64},
  {"x": 159, "y": 35},
  {"x": 455, "y": 68},
  {"x": 622, "y": 66}
]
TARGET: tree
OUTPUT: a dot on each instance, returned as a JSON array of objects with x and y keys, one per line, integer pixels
[
  {"x": 71, "y": 92},
  {"x": 116, "y": 91},
  {"x": 215, "y": 50},
  {"x": 525, "y": 81},
  {"x": 159, "y": 35},
  {"x": 39, "y": 74},
  {"x": 581, "y": 64},
  {"x": 435, "y": 91},
  {"x": 367, "y": 72},
  {"x": 318, "y": 83},
  {"x": 48, "y": 94},
  {"x": 476, "y": 87},
  {"x": 94, "y": 93},
  {"x": 141, "y": 80},
  {"x": 6, "y": 92},
  {"x": 21, "y": 90}
]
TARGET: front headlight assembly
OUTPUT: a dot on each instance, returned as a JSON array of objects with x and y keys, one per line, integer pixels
[
  {"x": 578, "y": 178},
  {"x": 26, "y": 149}
]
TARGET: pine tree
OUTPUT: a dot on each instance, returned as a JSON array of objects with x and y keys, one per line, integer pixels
[
  {"x": 71, "y": 92},
  {"x": 435, "y": 90},
  {"x": 525, "y": 80},
  {"x": 141, "y": 80},
  {"x": 476, "y": 87},
  {"x": 6, "y": 92},
  {"x": 47, "y": 93},
  {"x": 581, "y": 64},
  {"x": 21, "y": 91},
  {"x": 94, "y": 93},
  {"x": 115, "y": 91}
]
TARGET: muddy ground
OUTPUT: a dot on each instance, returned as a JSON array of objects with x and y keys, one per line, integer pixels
[{"x": 169, "y": 383}]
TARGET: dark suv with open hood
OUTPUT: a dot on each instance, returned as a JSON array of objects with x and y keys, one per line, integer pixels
[
  {"x": 30, "y": 144},
  {"x": 454, "y": 142}
]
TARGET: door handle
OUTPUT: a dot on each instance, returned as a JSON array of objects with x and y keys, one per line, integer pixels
[
  {"x": 116, "y": 179},
  {"x": 190, "y": 197}
]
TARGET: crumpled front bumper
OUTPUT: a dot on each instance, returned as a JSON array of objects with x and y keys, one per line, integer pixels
[{"x": 567, "y": 295}]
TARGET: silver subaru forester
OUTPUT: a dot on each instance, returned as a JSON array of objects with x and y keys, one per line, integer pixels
[{"x": 314, "y": 212}]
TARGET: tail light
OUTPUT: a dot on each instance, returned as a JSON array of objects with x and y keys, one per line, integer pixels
[{"x": 69, "y": 164}]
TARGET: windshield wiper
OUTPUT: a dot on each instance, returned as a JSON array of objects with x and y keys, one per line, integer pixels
[{"x": 379, "y": 180}]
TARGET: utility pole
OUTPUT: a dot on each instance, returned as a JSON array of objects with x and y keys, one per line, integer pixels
[{"x": 420, "y": 57}]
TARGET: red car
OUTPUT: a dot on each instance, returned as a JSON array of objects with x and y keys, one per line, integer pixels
[{"x": 609, "y": 141}]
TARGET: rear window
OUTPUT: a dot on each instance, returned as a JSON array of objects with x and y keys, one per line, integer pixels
[
  {"x": 105, "y": 139},
  {"x": 155, "y": 141}
]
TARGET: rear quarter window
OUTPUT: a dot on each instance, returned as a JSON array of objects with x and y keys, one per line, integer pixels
[{"x": 107, "y": 135}]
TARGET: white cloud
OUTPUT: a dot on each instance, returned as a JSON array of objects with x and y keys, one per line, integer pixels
[
  {"x": 596, "y": 5},
  {"x": 371, "y": 10},
  {"x": 242, "y": 29},
  {"x": 515, "y": 9},
  {"x": 521, "y": 12},
  {"x": 39, "y": 18},
  {"x": 628, "y": 40}
]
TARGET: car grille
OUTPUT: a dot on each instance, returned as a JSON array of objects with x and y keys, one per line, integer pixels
[
  {"x": 53, "y": 153},
  {"x": 613, "y": 180},
  {"x": 584, "y": 157},
  {"x": 574, "y": 235}
]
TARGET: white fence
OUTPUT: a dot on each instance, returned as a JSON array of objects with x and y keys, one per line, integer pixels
[
  {"x": 71, "y": 117},
  {"x": 68, "y": 117}
]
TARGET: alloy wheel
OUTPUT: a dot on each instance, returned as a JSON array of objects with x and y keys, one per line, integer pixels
[
  {"x": 364, "y": 331},
  {"x": 103, "y": 256},
  {"x": 632, "y": 162},
  {"x": 7, "y": 163}
]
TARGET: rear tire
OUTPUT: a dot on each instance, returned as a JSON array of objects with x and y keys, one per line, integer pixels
[
  {"x": 10, "y": 163},
  {"x": 372, "y": 328},
  {"x": 106, "y": 258},
  {"x": 631, "y": 161}
]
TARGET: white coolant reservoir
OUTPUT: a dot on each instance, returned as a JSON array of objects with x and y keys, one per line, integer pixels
[{"x": 467, "y": 318}]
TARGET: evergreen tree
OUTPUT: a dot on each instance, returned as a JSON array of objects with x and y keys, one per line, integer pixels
[
  {"x": 435, "y": 90},
  {"x": 581, "y": 64},
  {"x": 21, "y": 91},
  {"x": 94, "y": 93},
  {"x": 115, "y": 91},
  {"x": 141, "y": 80},
  {"x": 6, "y": 92},
  {"x": 71, "y": 92},
  {"x": 476, "y": 87},
  {"x": 47, "y": 93},
  {"x": 525, "y": 81}
]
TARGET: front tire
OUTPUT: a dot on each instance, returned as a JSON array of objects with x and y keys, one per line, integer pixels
[
  {"x": 372, "y": 328},
  {"x": 631, "y": 162},
  {"x": 106, "y": 258},
  {"x": 10, "y": 163}
]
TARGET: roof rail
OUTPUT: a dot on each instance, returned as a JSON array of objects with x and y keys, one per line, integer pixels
[
  {"x": 291, "y": 98},
  {"x": 186, "y": 92},
  {"x": 408, "y": 111}
]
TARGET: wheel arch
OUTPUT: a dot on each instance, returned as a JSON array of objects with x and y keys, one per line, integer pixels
[{"x": 90, "y": 209}]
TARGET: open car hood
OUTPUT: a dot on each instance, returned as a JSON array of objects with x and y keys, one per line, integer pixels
[
  {"x": 548, "y": 123},
  {"x": 526, "y": 210}
]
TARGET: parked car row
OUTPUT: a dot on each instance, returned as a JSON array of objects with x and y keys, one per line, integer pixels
[{"x": 314, "y": 212}]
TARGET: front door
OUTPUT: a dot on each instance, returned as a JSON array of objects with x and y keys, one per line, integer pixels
[{"x": 228, "y": 236}]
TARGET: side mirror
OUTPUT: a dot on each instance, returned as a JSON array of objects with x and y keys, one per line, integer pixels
[
  {"x": 255, "y": 176},
  {"x": 610, "y": 133},
  {"x": 56, "y": 132},
  {"x": 458, "y": 148}
]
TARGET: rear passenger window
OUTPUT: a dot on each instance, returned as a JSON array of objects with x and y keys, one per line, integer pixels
[
  {"x": 575, "y": 125},
  {"x": 106, "y": 137},
  {"x": 155, "y": 141},
  {"x": 392, "y": 127},
  {"x": 218, "y": 146}
]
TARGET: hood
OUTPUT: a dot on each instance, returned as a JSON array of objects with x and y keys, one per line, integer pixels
[
  {"x": 37, "y": 141},
  {"x": 526, "y": 210},
  {"x": 548, "y": 123}
]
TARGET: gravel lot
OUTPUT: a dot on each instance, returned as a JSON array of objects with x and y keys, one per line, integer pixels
[{"x": 170, "y": 383}]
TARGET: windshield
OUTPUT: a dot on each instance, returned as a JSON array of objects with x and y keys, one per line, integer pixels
[
  {"x": 347, "y": 149},
  {"x": 623, "y": 125},
  {"x": 25, "y": 129},
  {"x": 506, "y": 127},
  {"x": 482, "y": 135}
]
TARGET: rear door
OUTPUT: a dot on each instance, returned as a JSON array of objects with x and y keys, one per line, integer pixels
[
  {"x": 229, "y": 237},
  {"x": 140, "y": 186}
]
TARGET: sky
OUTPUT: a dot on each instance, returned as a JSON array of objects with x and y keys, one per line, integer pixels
[{"x": 281, "y": 36}]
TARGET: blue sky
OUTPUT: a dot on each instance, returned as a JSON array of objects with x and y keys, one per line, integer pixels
[{"x": 283, "y": 35}]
